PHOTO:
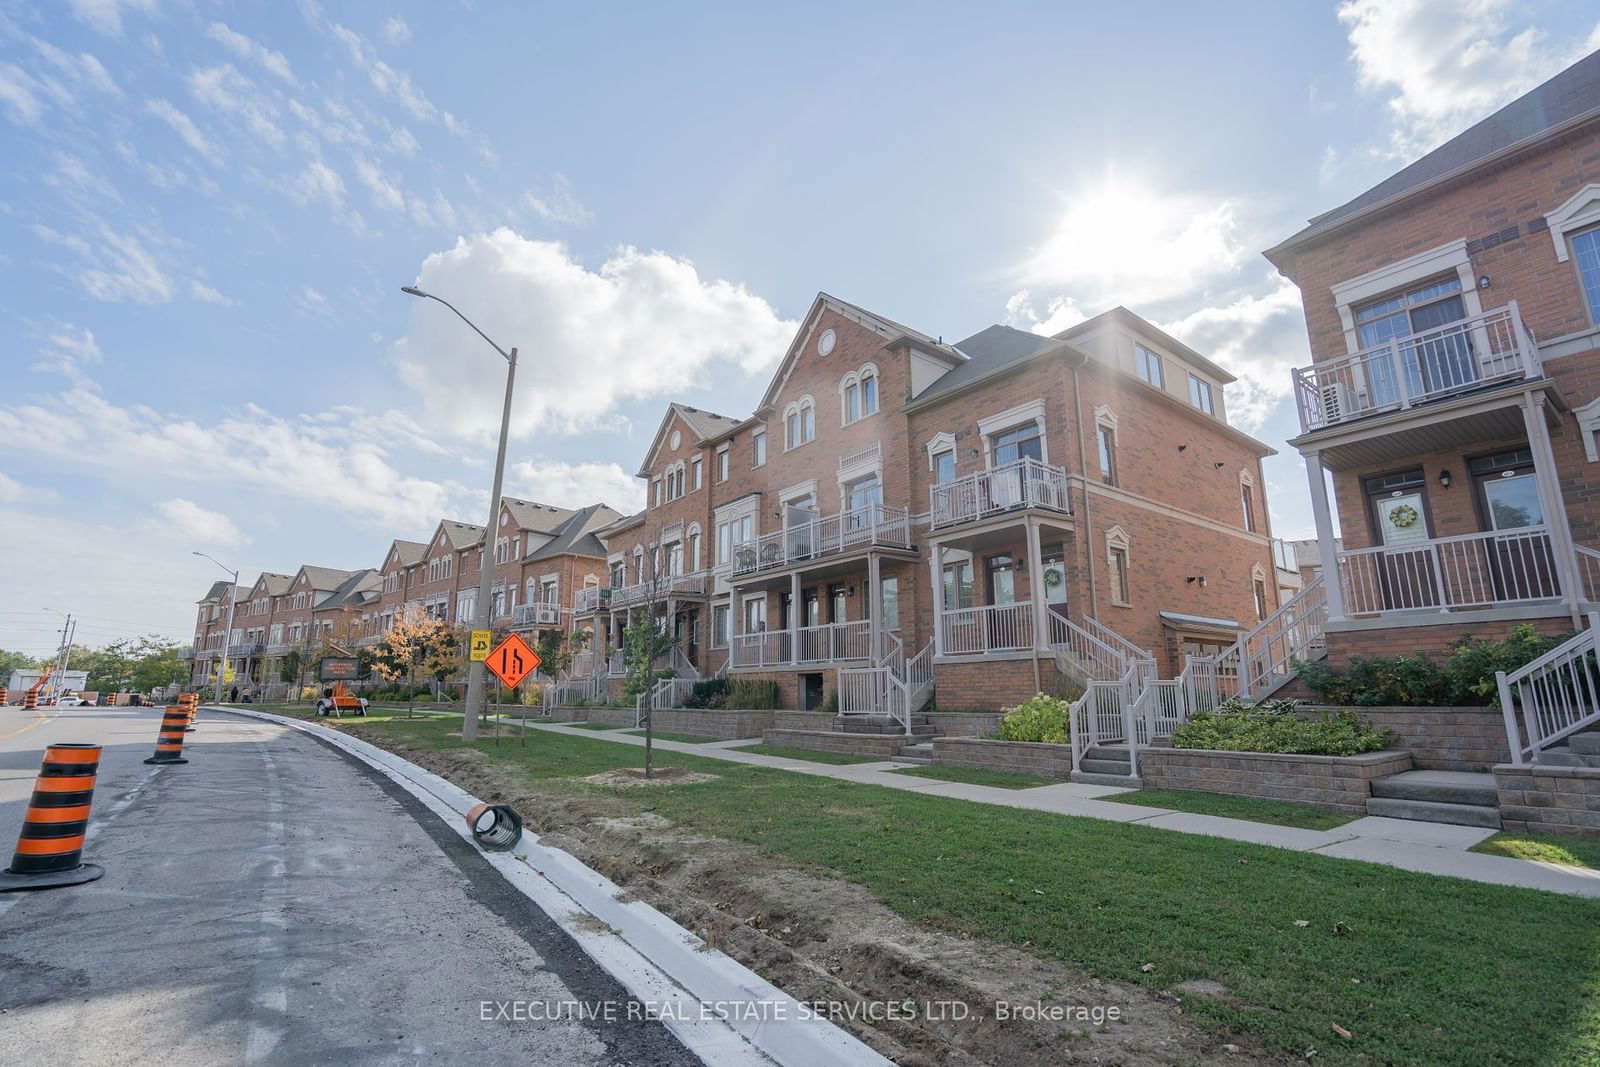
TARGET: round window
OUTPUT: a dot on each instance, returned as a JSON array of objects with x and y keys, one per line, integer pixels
[
  {"x": 826, "y": 342},
  {"x": 677, "y": 438}
]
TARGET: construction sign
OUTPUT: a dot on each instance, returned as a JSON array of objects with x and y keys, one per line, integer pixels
[
  {"x": 478, "y": 646},
  {"x": 513, "y": 661}
]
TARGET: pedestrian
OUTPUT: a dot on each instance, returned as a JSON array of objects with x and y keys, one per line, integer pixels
[{"x": 233, "y": 695}]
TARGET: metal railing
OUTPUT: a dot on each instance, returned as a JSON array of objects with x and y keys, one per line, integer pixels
[
  {"x": 835, "y": 641},
  {"x": 770, "y": 648},
  {"x": 1417, "y": 368},
  {"x": 535, "y": 614},
  {"x": 1263, "y": 655},
  {"x": 1024, "y": 483},
  {"x": 1087, "y": 654},
  {"x": 564, "y": 694},
  {"x": 1443, "y": 573},
  {"x": 990, "y": 628},
  {"x": 1104, "y": 715},
  {"x": 1116, "y": 640},
  {"x": 592, "y": 598},
  {"x": 693, "y": 584},
  {"x": 874, "y": 524},
  {"x": 1552, "y": 697},
  {"x": 1588, "y": 573},
  {"x": 617, "y": 664},
  {"x": 862, "y": 457}
]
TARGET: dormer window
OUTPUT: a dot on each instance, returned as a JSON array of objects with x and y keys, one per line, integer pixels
[{"x": 1148, "y": 366}]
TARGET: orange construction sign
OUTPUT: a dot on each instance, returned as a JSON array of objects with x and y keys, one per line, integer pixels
[{"x": 513, "y": 661}]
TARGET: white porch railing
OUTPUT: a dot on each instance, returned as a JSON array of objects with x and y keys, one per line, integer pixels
[
  {"x": 591, "y": 599},
  {"x": 535, "y": 614},
  {"x": 582, "y": 665},
  {"x": 693, "y": 584},
  {"x": 616, "y": 664},
  {"x": 874, "y": 524},
  {"x": 862, "y": 457},
  {"x": 837, "y": 641},
  {"x": 1024, "y": 483},
  {"x": 669, "y": 693},
  {"x": 767, "y": 649},
  {"x": 1417, "y": 368},
  {"x": 590, "y": 690},
  {"x": 1087, "y": 655},
  {"x": 990, "y": 628},
  {"x": 1104, "y": 714},
  {"x": 1444, "y": 573},
  {"x": 1116, "y": 640},
  {"x": 918, "y": 676},
  {"x": 1551, "y": 698},
  {"x": 1261, "y": 657},
  {"x": 1588, "y": 573}
]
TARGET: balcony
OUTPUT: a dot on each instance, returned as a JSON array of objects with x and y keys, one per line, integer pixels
[
  {"x": 875, "y": 525},
  {"x": 1025, "y": 483},
  {"x": 536, "y": 615},
  {"x": 769, "y": 649},
  {"x": 592, "y": 599},
  {"x": 1452, "y": 573},
  {"x": 990, "y": 628},
  {"x": 1417, "y": 369},
  {"x": 246, "y": 648},
  {"x": 675, "y": 585}
]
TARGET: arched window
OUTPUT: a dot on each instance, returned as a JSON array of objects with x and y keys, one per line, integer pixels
[
  {"x": 693, "y": 538},
  {"x": 858, "y": 394},
  {"x": 850, "y": 398},
  {"x": 869, "y": 391},
  {"x": 1117, "y": 561},
  {"x": 800, "y": 422}
]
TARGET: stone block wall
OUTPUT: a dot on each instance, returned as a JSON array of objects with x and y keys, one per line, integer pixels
[
  {"x": 713, "y": 724},
  {"x": 1549, "y": 800},
  {"x": 1016, "y": 757},
  {"x": 1338, "y": 782},
  {"x": 1443, "y": 739},
  {"x": 880, "y": 745}
]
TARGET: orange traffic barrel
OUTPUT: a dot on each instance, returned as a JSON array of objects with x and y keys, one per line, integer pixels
[
  {"x": 50, "y": 847},
  {"x": 169, "y": 742}
]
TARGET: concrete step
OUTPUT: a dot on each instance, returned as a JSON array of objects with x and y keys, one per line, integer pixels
[
  {"x": 921, "y": 761},
  {"x": 1561, "y": 756},
  {"x": 1432, "y": 811},
  {"x": 1095, "y": 778},
  {"x": 925, "y": 748},
  {"x": 1105, "y": 766},
  {"x": 1112, "y": 752},
  {"x": 1586, "y": 743},
  {"x": 1439, "y": 787}
]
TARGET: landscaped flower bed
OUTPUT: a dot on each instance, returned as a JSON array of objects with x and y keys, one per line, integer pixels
[{"x": 1273, "y": 726}]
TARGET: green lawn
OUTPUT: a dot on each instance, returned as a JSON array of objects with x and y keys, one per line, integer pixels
[
  {"x": 1278, "y": 812},
  {"x": 667, "y": 735},
  {"x": 1567, "y": 851},
  {"x": 596, "y": 725},
  {"x": 1420, "y": 969},
  {"x": 999, "y": 779},
  {"x": 787, "y": 752}
]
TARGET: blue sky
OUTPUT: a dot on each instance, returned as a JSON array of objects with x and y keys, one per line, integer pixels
[{"x": 207, "y": 208}]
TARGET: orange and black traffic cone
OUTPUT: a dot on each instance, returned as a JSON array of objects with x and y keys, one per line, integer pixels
[
  {"x": 50, "y": 847},
  {"x": 169, "y": 742}
]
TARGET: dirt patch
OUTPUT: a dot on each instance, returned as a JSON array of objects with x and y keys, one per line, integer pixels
[
  {"x": 823, "y": 939},
  {"x": 633, "y": 777}
]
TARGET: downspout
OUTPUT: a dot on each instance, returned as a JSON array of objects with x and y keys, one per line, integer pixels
[{"x": 1083, "y": 468}]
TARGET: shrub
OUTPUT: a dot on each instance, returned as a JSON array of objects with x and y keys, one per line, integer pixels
[
  {"x": 1040, "y": 718},
  {"x": 1274, "y": 727},
  {"x": 710, "y": 693},
  {"x": 1465, "y": 678},
  {"x": 752, "y": 693}
]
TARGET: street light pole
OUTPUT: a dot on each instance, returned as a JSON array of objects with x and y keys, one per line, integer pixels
[
  {"x": 476, "y": 672},
  {"x": 227, "y": 627}
]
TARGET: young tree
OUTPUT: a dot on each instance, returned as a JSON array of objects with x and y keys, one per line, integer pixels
[
  {"x": 156, "y": 665},
  {"x": 416, "y": 644},
  {"x": 647, "y": 639}
]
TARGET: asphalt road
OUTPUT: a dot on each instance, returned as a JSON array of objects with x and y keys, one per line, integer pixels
[{"x": 273, "y": 901}]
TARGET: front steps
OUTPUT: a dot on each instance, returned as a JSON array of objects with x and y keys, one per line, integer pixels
[
  {"x": 1106, "y": 765},
  {"x": 920, "y": 753},
  {"x": 1581, "y": 750},
  {"x": 1461, "y": 798}
]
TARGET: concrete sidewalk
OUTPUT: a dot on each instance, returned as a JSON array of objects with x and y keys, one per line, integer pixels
[{"x": 1429, "y": 848}]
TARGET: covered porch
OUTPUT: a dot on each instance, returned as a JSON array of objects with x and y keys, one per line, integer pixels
[
  {"x": 837, "y": 609},
  {"x": 1001, "y": 585}
]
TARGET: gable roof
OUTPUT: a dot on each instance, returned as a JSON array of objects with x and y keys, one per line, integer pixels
[
  {"x": 892, "y": 332},
  {"x": 577, "y": 534},
  {"x": 988, "y": 351},
  {"x": 359, "y": 587},
  {"x": 219, "y": 591},
  {"x": 530, "y": 515},
  {"x": 704, "y": 425},
  {"x": 272, "y": 584},
  {"x": 458, "y": 535},
  {"x": 1145, "y": 326},
  {"x": 406, "y": 552},
  {"x": 1569, "y": 99},
  {"x": 323, "y": 578}
]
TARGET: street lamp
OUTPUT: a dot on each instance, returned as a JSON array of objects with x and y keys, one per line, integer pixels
[
  {"x": 476, "y": 671},
  {"x": 227, "y": 635}
]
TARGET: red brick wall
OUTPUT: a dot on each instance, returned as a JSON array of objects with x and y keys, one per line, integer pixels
[{"x": 1435, "y": 641}]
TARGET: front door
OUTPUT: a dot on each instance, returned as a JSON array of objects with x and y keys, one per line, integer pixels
[
  {"x": 1521, "y": 563},
  {"x": 1402, "y": 576},
  {"x": 1004, "y": 626},
  {"x": 799, "y": 522}
]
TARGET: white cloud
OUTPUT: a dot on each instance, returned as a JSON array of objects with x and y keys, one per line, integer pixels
[
  {"x": 208, "y": 295},
  {"x": 312, "y": 304},
  {"x": 558, "y": 204},
  {"x": 402, "y": 141},
  {"x": 225, "y": 89},
  {"x": 1059, "y": 314},
  {"x": 245, "y": 48},
  {"x": 19, "y": 92},
  {"x": 184, "y": 127},
  {"x": 10, "y": 489},
  {"x": 319, "y": 182},
  {"x": 575, "y": 485},
  {"x": 384, "y": 188},
  {"x": 116, "y": 266},
  {"x": 395, "y": 31},
  {"x": 642, "y": 324},
  {"x": 1260, "y": 339},
  {"x": 83, "y": 68},
  {"x": 76, "y": 343},
  {"x": 187, "y": 521},
  {"x": 1445, "y": 64},
  {"x": 1119, "y": 243},
  {"x": 105, "y": 16}
]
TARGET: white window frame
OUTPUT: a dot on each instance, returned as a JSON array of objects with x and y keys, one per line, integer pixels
[
  {"x": 991, "y": 425},
  {"x": 758, "y": 447},
  {"x": 699, "y": 473},
  {"x": 1117, "y": 541},
  {"x": 1252, "y": 516},
  {"x": 723, "y": 467},
  {"x": 744, "y": 611},
  {"x": 1151, "y": 358},
  {"x": 1199, "y": 387}
]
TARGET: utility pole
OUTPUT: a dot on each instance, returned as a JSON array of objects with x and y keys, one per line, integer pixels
[{"x": 227, "y": 629}]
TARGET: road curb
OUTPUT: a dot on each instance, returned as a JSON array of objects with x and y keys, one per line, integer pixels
[{"x": 720, "y": 1009}]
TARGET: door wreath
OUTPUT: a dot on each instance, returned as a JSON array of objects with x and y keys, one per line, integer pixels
[{"x": 1403, "y": 516}]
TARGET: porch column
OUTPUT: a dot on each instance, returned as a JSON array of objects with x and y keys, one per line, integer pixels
[
  {"x": 936, "y": 565},
  {"x": 1323, "y": 517},
  {"x": 1555, "y": 514},
  {"x": 1041, "y": 632},
  {"x": 794, "y": 619},
  {"x": 874, "y": 605}
]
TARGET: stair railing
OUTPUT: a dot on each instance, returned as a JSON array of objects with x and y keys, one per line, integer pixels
[{"x": 1552, "y": 697}]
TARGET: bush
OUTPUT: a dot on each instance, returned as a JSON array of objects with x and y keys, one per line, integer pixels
[
  {"x": 1274, "y": 727},
  {"x": 707, "y": 694},
  {"x": 752, "y": 693},
  {"x": 1466, "y": 678},
  {"x": 1040, "y": 718}
]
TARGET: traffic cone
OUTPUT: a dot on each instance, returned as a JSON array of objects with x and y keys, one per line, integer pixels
[
  {"x": 169, "y": 742},
  {"x": 50, "y": 846}
]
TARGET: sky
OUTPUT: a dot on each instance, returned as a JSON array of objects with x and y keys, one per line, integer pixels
[{"x": 207, "y": 209}]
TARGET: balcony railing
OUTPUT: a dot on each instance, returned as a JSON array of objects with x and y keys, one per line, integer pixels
[
  {"x": 1418, "y": 368},
  {"x": 245, "y": 648},
  {"x": 835, "y": 641},
  {"x": 1025, "y": 483},
  {"x": 591, "y": 599},
  {"x": 991, "y": 628},
  {"x": 675, "y": 585},
  {"x": 768, "y": 649},
  {"x": 874, "y": 524},
  {"x": 1445, "y": 573},
  {"x": 861, "y": 458}
]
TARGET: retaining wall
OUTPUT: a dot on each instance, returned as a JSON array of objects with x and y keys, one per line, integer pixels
[
  {"x": 1549, "y": 800},
  {"x": 1017, "y": 757},
  {"x": 1339, "y": 782},
  {"x": 1444, "y": 739}
]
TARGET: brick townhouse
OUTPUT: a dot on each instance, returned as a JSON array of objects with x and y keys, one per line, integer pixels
[
  {"x": 1448, "y": 418},
  {"x": 397, "y": 577},
  {"x": 986, "y": 514}
]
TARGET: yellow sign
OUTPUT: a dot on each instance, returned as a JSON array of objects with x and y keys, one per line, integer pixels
[{"x": 478, "y": 647}]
